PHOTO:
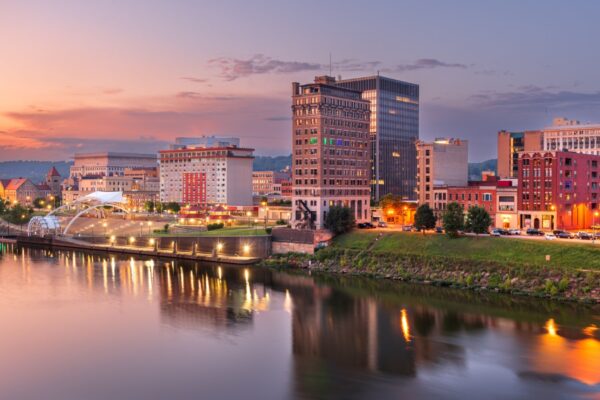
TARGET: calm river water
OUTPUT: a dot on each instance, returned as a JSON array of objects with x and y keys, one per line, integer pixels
[{"x": 82, "y": 326}]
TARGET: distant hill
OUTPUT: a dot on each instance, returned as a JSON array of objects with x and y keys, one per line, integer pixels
[
  {"x": 267, "y": 163},
  {"x": 34, "y": 170},
  {"x": 475, "y": 169}
]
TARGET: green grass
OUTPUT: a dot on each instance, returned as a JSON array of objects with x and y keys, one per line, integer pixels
[{"x": 574, "y": 255}]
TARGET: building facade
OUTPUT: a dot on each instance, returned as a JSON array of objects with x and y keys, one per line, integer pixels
[
  {"x": 510, "y": 144},
  {"x": 268, "y": 182},
  {"x": 109, "y": 164},
  {"x": 443, "y": 162},
  {"x": 226, "y": 172},
  {"x": 331, "y": 152},
  {"x": 571, "y": 135},
  {"x": 507, "y": 215},
  {"x": 394, "y": 129},
  {"x": 558, "y": 190},
  {"x": 476, "y": 194}
]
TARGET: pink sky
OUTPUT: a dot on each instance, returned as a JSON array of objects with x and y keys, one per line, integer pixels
[{"x": 132, "y": 75}]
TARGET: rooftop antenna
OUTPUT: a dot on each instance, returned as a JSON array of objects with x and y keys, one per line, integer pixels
[{"x": 330, "y": 64}]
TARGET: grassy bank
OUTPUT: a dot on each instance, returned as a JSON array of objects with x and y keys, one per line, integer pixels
[
  {"x": 500, "y": 264},
  {"x": 570, "y": 255}
]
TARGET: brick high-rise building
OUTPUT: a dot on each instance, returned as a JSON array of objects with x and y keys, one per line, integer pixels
[
  {"x": 509, "y": 146},
  {"x": 331, "y": 156},
  {"x": 558, "y": 189},
  {"x": 443, "y": 162}
]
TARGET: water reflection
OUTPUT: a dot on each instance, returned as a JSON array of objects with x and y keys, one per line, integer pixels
[{"x": 348, "y": 337}]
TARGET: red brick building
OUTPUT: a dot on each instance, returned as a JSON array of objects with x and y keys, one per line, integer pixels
[
  {"x": 478, "y": 193},
  {"x": 194, "y": 188},
  {"x": 558, "y": 190}
]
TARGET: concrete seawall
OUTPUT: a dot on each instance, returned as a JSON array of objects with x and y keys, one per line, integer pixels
[{"x": 164, "y": 249}]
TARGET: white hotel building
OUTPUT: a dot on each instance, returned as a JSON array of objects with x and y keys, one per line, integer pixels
[
  {"x": 573, "y": 136},
  {"x": 206, "y": 175}
]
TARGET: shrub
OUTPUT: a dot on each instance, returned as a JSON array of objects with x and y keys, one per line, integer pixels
[
  {"x": 280, "y": 222},
  {"x": 339, "y": 220},
  {"x": 424, "y": 218},
  {"x": 453, "y": 219},
  {"x": 213, "y": 227},
  {"x": 269, "y": 230}
]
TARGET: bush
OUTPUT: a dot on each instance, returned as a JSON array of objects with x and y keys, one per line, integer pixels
[
  {"x": 339, "y": 220},
  {"x": 166, "y": 228},
  {"x": 269, "y": 230},
  {"x": 214, "y": 227},
  {"x": 453, "y": 219},
  {"x": 478, "y": 220},
  {"x": 424, "y": 218},
  {"x": 280, "y": 222}
]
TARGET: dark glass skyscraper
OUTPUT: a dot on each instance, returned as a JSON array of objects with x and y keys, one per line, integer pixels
[{"x": 394, "y": 129}]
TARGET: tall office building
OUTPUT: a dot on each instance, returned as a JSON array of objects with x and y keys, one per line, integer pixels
[
  {"x": 394, "y": 129},
  {"x": 330, "y": 159},
  {"x": 510, "y": 144},
  {"x": 443, "y": 162}
]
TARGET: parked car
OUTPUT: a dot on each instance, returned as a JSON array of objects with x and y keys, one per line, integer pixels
[
  {"x": 534, "y": 232},
  {"x": 515, "y": 232},
  {"x": 407, "y": 228},
  {"x": 496, "y": 232},
  {"x": 439, "y": 229},
  {"x": 365, "y": 225},
  {"x": 382, "y": 224},
  {"x": 550, "y": 236},
  {"x": 584, "y": 236},
  {"x": 562, "y": 234}
]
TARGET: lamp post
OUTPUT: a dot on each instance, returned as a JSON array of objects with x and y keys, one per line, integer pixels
[
  {"x": 266, "y": 210},
  {"x": 594, "y": 226},
  {"x": 104, "y": 225}
]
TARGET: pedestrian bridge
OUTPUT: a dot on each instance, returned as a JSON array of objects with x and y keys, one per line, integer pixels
[{"x": 50, "y": 224}]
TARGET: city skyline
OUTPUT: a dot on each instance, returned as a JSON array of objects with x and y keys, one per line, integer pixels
[{"x": 77, "y": 83}]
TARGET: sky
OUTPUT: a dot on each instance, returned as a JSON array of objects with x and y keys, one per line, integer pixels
[{"x": 126, "y": 75}]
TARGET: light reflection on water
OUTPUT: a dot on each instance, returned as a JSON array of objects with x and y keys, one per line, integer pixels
[{"x": 78, "y": 325}]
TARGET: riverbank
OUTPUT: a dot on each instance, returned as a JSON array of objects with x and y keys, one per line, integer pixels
[{"x": 564, "y": 271}]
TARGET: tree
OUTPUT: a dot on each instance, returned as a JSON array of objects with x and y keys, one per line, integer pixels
[
  {"x": 478, "y": 220},
  {"x": 424, "y": 218},
  {"x": 18, "y": 214},
  {"x": 453, "y": 219},
  {"x": 149, "y": 206},
  {"x": 39, "y": 202},
  {"x": 172, "y": 206},
  {"x": 339, "y": 220}
]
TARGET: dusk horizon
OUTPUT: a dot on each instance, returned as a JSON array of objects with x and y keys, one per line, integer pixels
[{"x": 82, "y": 78}]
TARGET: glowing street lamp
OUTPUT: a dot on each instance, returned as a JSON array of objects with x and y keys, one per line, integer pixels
[
  {"x": 246, "y": 249},
  {"x": 113, "y": 239},
  {"x": 594, "y": 226},
  {"x": 131, "y": 240}
]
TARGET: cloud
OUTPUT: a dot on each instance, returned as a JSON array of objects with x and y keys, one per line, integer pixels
[
  {"x": 426, "y": 63},
  {"x": 194, "y": 79},
  {"x": 233, "y": 68},
  {"x": 201, "y": 96},
  {"x": 536, "y": 97}
]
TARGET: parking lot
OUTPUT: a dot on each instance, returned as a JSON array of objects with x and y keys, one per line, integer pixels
[{"x": 577, "y": 237}]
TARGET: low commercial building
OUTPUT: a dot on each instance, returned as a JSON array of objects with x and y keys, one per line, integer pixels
[
  {"x": 507, "y": 215},
  {"x": 477, "y": 193},
  {"x": 558, "y": 190}
]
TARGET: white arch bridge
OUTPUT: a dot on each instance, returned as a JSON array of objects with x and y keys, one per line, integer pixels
[{"x": 50, "y": 224}]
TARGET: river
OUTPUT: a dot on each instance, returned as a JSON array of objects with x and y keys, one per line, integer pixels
[{"x": 83, "y": 326}]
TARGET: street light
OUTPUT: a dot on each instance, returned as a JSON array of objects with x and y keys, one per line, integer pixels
[{"x": 594, "y": 226}]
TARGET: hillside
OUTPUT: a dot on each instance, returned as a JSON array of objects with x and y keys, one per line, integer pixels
[
  {"x": 34, "y": 170},
  {"x": 476, "y": 168}
]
